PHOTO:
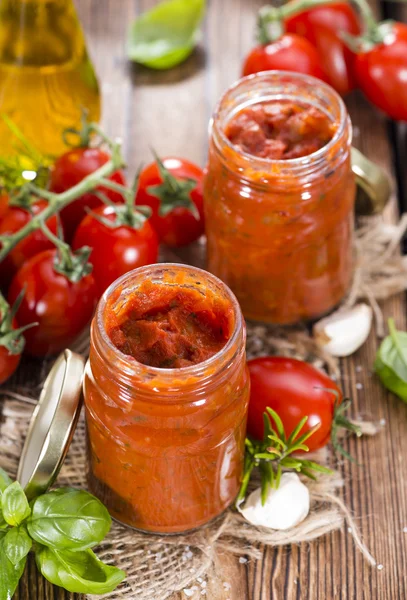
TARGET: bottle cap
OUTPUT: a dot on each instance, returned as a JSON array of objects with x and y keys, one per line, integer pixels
[
  {"x": 373, "y": 185},
  {"x": 52, "y": 425}
]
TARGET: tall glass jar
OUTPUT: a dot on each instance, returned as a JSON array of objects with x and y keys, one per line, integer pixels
[
  {"x": 46, "y": 77},
  {"x": 280, "y": 231},
  {"x": 166, "y": 446}
]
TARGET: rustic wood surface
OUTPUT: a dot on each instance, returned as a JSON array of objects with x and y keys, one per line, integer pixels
[{"x": 169, "y": 112}]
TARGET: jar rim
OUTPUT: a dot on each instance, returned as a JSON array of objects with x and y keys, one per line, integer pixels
[
  {"x": 133, "y": 367},
  {"x": 263, "y": 76}
]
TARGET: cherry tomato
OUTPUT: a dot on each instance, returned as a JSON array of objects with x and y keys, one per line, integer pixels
[
  {"x": 13, "y": 219},
  {"x": 172, "y": 193},
  {"x": 289, "y": 53},
  {"x": 294, "y": 389},
  {"x": 322, "y": 26},
  {"x": 69, "y": 169},
  {"x": 3, "y": 203},
  {"x": 382, "y": 72},
  {"x": 61, "y": 308},
  {"x": 8, "y": 361},
  {"x": 115, "y": 251}
]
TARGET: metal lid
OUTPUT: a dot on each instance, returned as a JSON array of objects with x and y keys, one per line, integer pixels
[
  {"x": 52, "y": 425},
  {"x": 373, "y": 185}
]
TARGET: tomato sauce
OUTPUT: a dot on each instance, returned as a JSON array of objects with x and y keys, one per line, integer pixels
[
  {"x": 279, "y": 196},
  {"x": 280, "y": 130},
  {"x": 166, "y": 443},
  {"x": 167, "y": 327}
]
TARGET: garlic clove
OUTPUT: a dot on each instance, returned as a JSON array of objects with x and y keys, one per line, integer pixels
[
  {"x": 285, "y": 506},
  {"x": 343, "y": 332}
]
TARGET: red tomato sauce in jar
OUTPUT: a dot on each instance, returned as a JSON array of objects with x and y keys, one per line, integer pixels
[
  {"x": 168, "y": 327},
  {"x": 166, "y": 443},
  {"x": 280, "y": 130},
  {"x": 279, "y": 197}
]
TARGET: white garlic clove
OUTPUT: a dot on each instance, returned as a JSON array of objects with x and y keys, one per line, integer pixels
[
  {"x": 343, "y": 332},
  {"x": 285, "y": 507}
]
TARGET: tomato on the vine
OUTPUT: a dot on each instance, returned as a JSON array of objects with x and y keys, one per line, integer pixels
[
  {"x": 172, "y": 188},
  {"x": 4, "y": 199},
  {"x": 116, "y": 249},
  {"x": 68, "y": 170},
  {"x": 12, "y": 220},
  {"x": 294, "y": 389},
  {"x": 288, "y": 53},
  {"x": 11, "y": 337},
  {"x": 62, "y": 308},
  {"x": 323, "y": 27},
  {"x": 8, "y": 361},
  {"x": 381, "y": 70}
]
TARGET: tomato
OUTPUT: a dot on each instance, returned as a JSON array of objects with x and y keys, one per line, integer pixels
[
  {"x": 294, "y": 389},
  {"x": 61, "y": 308},
  {"x": 68, "y": 170},
  {"x": 170, "y": 188},
  {"x": 115, "y": 250},
  {"x": 3, "y": 203},
  {"x": 9, "y": 361},
  {"x": 289, "y": 53},
  {"x": 322, "y": 26},
  {"x": 382, "y": 71},
  {"x": 13, "y": 219}
]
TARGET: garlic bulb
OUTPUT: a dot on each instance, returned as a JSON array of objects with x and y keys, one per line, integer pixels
[
  {"x": 285, "y": 506},
  {"x": 343, "y": 332}
]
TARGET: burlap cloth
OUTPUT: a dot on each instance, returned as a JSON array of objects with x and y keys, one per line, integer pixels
[{"x": 157, "y": 567}]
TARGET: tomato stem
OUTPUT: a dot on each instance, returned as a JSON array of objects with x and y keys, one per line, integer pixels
[
  {"x": 172, "y": 192},
  {"x": 10, "y": 338},
  {"x": 368, "y": 19},
  {"x": 126, "y": 214},
  {"x": 270, "y": 22}
]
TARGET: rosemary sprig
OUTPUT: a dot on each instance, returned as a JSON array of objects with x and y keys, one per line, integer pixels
[{"x": 274, "y": 453}]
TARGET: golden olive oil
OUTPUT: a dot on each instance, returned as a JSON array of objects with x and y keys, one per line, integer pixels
[{"x": 46, "y": 77}]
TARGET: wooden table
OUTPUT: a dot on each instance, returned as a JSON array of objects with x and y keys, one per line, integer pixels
[{"x": 169, "y": 112}]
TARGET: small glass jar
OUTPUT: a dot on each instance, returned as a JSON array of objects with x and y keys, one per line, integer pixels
[
  {"x": 280, "y": 232},
  {"x": 166, "y": 446}
]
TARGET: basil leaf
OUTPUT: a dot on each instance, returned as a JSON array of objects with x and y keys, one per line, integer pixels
[
  {"x": 9, "y": 574},
  {"x": 3, "y": 523},
  {"x": 17, "y": 544},
  {"x": 5, "y": 480},
  {"x": 391, "y": 362},
  {"x": 14, "y": 504},
  {"x": 81, "y": 572},
  {"x": 68, "y": 519},
  {"x": 164, "y": 36}
]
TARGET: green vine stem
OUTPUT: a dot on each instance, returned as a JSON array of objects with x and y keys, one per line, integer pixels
[
  {"x": 270, "y": 23},
  {"x": 56, "y": 202},
  {"x": 270, "y": 20}
]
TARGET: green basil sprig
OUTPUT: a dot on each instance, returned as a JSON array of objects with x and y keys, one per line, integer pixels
[
  {"x": 68, "y": 519},
  {"x": 14, "y": 504},
  {"x": 9, "y": 574},
  {"x": 81, "y": 572},
  {"x": 60, "y": 527},
  {"x": 165, "y": 36},
  {"x": 391, "y": 361},
  {"x": 4, "y": 480}
]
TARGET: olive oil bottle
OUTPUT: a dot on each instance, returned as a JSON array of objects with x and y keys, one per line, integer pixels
[{"x": 46, "y": 77}]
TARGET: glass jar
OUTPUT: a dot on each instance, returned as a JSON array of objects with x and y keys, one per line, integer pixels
[
  {"x": 280, "y": 232},
  {"x": 166, "y": 446},
  {"x": 46, "y": 76}
]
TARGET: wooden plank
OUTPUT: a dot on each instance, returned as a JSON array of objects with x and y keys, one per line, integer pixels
[{"x": 169, "y": 111}]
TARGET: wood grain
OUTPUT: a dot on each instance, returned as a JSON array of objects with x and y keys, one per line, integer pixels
[{"x": 169, "y": 112}]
